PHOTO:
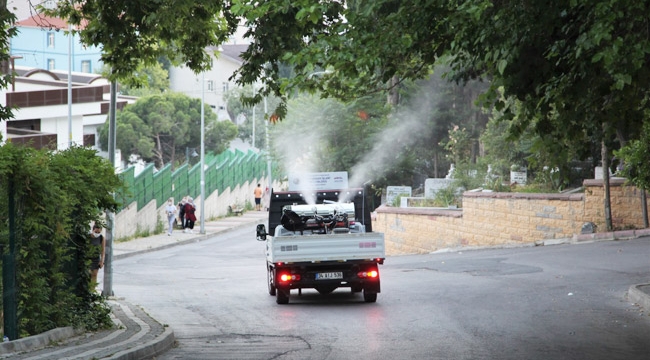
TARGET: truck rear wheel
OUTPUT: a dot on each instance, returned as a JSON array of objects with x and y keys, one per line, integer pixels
[
  {"x": 270, "y": 278},
  {"x": 369, "y": 297},
  {"x": 282, "y": 296}
]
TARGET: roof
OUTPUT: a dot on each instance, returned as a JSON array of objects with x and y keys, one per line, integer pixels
[
  {"x": 42, "y": 21},
  {"x": 232, "y": 52}
]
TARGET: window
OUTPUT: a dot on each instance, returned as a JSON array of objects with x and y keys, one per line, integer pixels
[
  {"x": 210, "y": 85},
  {"x": 89, "y": 140},
  {"x": 85, "y": 66},
  {"x": 225, "y": 87},
  {"x": 50, "y": 40},
  {"x": 50, "y": 64}
]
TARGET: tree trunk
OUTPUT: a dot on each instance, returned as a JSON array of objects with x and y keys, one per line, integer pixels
[
  {"x": 608, "y": 207},
  {"x": 159, "y": 152},
  {"x": 435, "y": 165},
  {"x": 393, "y": 93}
]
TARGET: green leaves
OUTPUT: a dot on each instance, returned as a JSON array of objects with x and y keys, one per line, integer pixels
[
  {"x": 634, "y": 157},
  {"x": 135, "y": 32},
  {"x": 58, "y": 196},
  {"x": 160, "y": 127}
]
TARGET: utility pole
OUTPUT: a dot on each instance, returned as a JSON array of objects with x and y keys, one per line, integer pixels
[
  {"x": 110, "y": 217},
  {"x": 202, "y": 230},
  {"x": 9, "y": 301},
  {"x": 70, "y": 86},
  {"x": 268, "y": 148}
]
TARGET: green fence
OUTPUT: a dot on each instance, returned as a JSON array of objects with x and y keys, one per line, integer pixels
[{"x": 226, "y": 170}]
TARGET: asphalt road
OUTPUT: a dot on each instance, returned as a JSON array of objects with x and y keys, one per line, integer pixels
[{"x": 554, "y": 302}]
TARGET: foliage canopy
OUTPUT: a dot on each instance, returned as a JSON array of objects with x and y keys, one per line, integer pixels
[
  {"x": 161, "y": 127},
  {"x": 57, "y": 197}
]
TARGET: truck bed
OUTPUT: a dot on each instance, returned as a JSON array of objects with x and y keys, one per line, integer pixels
[{"x": 325, "y": 247}]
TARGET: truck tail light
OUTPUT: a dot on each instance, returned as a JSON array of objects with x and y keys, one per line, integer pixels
[
  {"x": 372, "y": 274},
  {"x": 289, "y": 277}
]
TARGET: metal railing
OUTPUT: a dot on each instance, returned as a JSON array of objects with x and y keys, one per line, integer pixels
[{"x": 226, "y": 170}]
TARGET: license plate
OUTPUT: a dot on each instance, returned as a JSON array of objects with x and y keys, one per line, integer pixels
[{"x": 329, "y": 275}]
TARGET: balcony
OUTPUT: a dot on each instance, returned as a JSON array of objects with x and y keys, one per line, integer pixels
[{"x": 32, "y": 138}]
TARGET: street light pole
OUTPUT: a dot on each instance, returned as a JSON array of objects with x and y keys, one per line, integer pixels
[
  {"x": 70, "y": 86},
  {"x": 203, "y": 153},
  {"x": 253, "y": 138},
  {"x": 268, "y": 148},
  {"x": 110, "y": 216}
]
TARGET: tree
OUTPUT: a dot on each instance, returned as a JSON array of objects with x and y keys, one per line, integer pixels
[
  {"x": 6, "y": 33},
  {"x": 57, "y": 196},
  {"x": 158, "y": 127},
  {"x": 360, "y": 45},
  {"x": 634, "y": 157},
  {"x": 579, "y": 68},
  {"x": 238, "y": 110},
  {"x": 132, "y": 33},
  {"x": 442, "y": 105},
  {"x": 154, "y": 80}
]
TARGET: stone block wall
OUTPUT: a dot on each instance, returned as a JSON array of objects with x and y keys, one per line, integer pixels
[
  {"x": 489, "y": 219},
  {"x": 625, "y": 200}
]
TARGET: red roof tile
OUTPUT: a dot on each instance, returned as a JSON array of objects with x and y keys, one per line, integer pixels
[{"x": 43, "y": 21}]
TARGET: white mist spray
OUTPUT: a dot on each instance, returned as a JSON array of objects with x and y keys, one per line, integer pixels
[{"x": 407, "y": 126}]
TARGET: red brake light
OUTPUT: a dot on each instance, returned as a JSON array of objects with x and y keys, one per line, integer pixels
[
  {"x": 289, "y": 277},
  {"x": 368, "y": 274}
]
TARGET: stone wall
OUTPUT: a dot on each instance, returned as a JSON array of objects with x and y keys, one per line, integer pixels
[
  {"x": 489, "y": 219},
  {"x": 626, "y": 204}
]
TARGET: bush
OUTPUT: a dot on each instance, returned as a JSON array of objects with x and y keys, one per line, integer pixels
[{"x": 57, "y": 196}]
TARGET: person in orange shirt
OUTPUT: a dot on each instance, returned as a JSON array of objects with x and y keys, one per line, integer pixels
[{"x": 258, "y": 197}]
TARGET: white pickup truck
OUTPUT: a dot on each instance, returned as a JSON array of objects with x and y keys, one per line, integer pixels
[{"x": 325, "y": 245}]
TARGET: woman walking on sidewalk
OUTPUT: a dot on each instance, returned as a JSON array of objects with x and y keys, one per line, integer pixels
[{"x": 170, "y": 210}]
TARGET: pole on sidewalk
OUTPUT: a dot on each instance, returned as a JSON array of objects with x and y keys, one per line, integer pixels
[
  {"x": 112, "y": 144},
  {"x": 203, "y": 153},
  {"x": 9, "y": 287},
  {"x": 268, "y": 148}
]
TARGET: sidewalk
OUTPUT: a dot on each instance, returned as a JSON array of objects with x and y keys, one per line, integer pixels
[{"x": 136, "y": 335}]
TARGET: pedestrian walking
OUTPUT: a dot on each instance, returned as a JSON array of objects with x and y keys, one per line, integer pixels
[
  {"x": 258, "y": 197},
  {"x": 96, "y": 253},
  {"x": 190, "y": 218},
  {"x": 181, "y": 212},
  {"x": 170, "y": 210}
]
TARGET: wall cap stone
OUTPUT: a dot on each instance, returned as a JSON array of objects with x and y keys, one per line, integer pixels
[
  {"x": 527, "y": 196},
  {"x": 420, "y": 211},
  {"x": 615, "y": 181}
]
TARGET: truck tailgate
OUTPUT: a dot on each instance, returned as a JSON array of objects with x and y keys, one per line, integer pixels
[{"x": 330, "y": 247}]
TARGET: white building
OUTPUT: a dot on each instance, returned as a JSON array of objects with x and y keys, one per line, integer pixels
[
  {"x": 41, "y": 113},
  {"x": 217, "y": 83}
]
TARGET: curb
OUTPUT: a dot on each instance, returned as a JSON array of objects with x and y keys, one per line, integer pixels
[
  {"x": 146, "y": 349},
  {"x": 638, "y": 296},
  {"x": 38, "y": 341},
  {"x": 199, "y": 238},
  {"x": 149, "y": 350}
]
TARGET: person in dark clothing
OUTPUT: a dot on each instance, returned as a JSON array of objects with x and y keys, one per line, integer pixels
[
  {"x": 190, "y": 218},
  {"x": 181, "y": 212},
  {"x": 97, "y": 252}
]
